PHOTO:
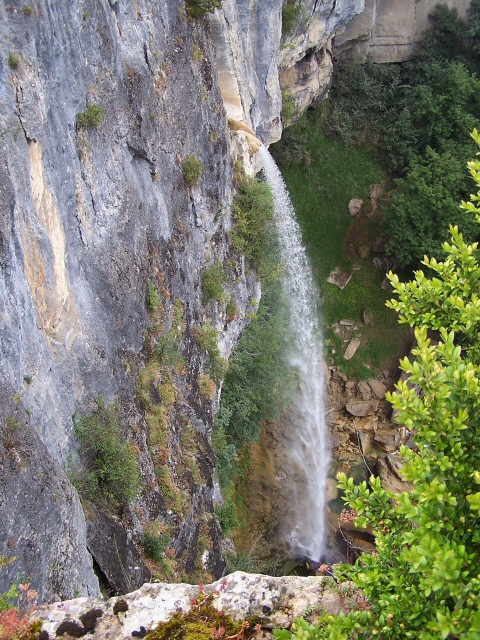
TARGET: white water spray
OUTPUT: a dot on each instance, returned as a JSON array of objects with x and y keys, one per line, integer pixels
[{"x": 304, "y": 526}]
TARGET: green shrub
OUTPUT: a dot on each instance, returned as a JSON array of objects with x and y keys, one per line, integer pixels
[
  {"x": 253, "y": 233},
  {"x": 153, "y": 297},
  {"x": 111, "y": 473},
  {"x": 227, "y": 516},
  {"x": 207, "y": 338},
  {"x": 27, "y": 9},
  {"x": 92, "y": 117},
  {"x": 13, "y": 60},
  {"x": 291, "y": 11},
  {"x": 213, "y": 282},
  {"x": 198, "y": 8},
  {"x": 192, "y": 170},
  {"x": 289, "y": 109},
  {"x": 154, "y": 545}
]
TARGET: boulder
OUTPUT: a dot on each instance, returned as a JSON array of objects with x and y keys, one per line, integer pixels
[
  {"x": 363, "y": 390},
  {"x": 388, "y": 439},
  {"x": 367, "y": 317},
  {"x": 339, "y": 277},
  {"x": 332, "y": 489},
  {"x": 363, "y": 441},
  {"x": 355, "y": 206},
  {"x": 362, "y": 408},
  {"x": 379, "y": 244},
  {"x": 363, "y": 251},
  {"x": 389, "y": 471},
  {"x": 350, "y": 388},
  {"x": 378, "y": 388},
  {"x": 369, "y": 424},
  {"x": 351, "y": 349}
]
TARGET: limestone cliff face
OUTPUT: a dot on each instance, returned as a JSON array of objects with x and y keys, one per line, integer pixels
[
  {"x": 388, "y": 30},
  {"x": 90, "y": 216},
  {"x": 256, "y": 63}
]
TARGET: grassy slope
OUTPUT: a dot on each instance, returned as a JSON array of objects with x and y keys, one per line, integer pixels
[{"x": 320, "y": 190}]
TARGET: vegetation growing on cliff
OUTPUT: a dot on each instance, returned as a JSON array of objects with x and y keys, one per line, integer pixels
[
  {"x": 423, "y": 580},
  {"x": 111, "y": 475}
]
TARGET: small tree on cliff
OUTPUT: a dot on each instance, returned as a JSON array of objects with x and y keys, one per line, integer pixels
[{"x": 423, "y": 581}]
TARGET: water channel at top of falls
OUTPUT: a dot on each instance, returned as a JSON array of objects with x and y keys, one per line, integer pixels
[{"x": 304, "y": 526}]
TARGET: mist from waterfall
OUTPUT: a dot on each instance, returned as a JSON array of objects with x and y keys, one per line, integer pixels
[{"x": 304, "y": 526}]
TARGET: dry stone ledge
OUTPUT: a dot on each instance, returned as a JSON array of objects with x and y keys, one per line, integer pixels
[{"x": 242, "y": 595}]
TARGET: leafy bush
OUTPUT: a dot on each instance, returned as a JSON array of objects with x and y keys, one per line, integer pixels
[
  {"x": 207, "y": 387},
  {"x": 92, "y": 117},
  {"x": 207, "y": 338},
  {"x": 252, "y": 233},
  {"x": 111, "y": 473},
  {"x": 192, "y": 170},
  {"x": 13, "y": 60},
  {"x": 153, "y": 297},
  {"x": 227, "y": 516},
  {"x": 198, "y": 8},
  {"x": 213, "y": 282},
  {"x": 154, "y": 545},
  {"x": 291, "y": 12}
]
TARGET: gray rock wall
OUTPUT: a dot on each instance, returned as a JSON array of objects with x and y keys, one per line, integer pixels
[{"x": 87, "y": 216}]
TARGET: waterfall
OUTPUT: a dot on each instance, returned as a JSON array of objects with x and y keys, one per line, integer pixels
[{"x": 304, "y": 527}]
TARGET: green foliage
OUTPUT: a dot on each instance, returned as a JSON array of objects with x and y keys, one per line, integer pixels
[
  {"x": 27, "y": 9},
  {"x": 111, "y": 475},
  {"x": 412, "y": 230},
  {"x": 227, "y": 516},
  {"x": 192, "y": 170},
  {"x": 253, "y": 211},
  {"x": 154, "y": 545},
  {"x": 259, "y": 382},
  {"x": 423, "y": 580},
  {"x": 92, "y": 117},
  {"x": 207, "y": 338},
  {"x": 291, "y": 12},
  {"x": 213, "y": 283},
  {"x": 153, "y": 297},
  {"x": 199, "y": 8},
  {"x": 6, "y": 597},
  {"x": 289, "y": 109},
  {"x": 13, "y": 59}
]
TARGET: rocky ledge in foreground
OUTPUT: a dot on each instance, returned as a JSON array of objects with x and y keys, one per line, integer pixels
[{"x": 275, "y": 601}]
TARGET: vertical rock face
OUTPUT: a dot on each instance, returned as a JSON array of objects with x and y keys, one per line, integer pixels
[
  {"x": 88, "y": 215},
  {"x": 102, "y": 103},
  {"x": 387, "y": 31}
]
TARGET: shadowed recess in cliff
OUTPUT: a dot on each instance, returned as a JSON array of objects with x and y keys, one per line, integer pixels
[{"x": 303, "y": 526}]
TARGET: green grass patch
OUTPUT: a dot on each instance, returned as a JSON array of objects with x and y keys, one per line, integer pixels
[{"x": 323, "y": 175}]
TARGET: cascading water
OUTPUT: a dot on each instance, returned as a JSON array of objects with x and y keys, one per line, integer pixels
[{"x": 303, "y": 528}]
